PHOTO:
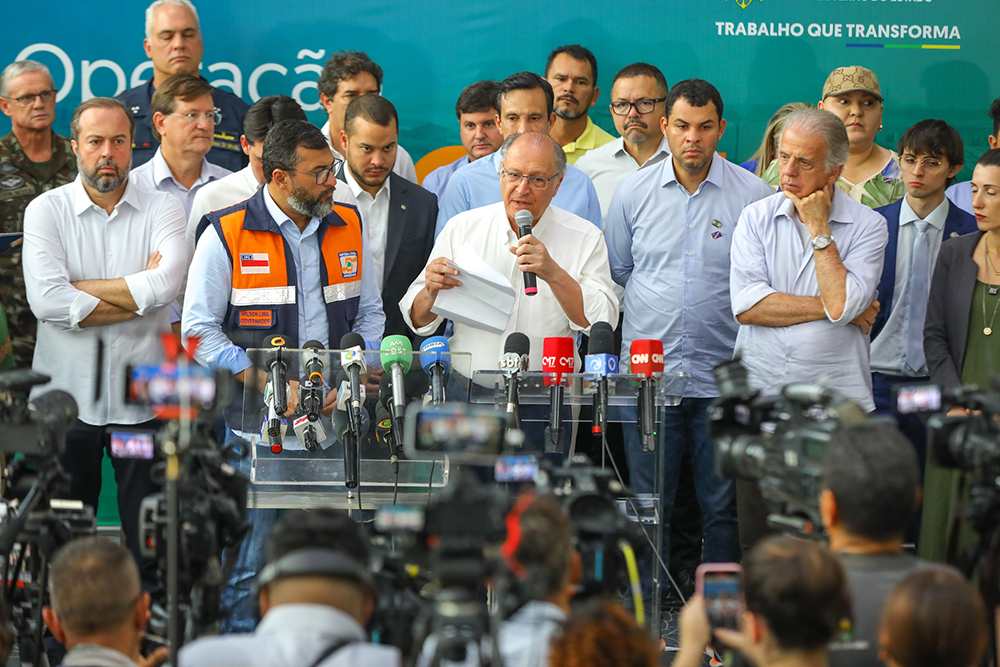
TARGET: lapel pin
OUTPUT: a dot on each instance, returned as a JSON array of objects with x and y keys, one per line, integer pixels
[
  {"x": 402, "y": 206},
  {"x": 954, "y": 234}
]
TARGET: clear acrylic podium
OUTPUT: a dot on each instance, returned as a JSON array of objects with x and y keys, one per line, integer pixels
[{"x": 296, "y": 478}]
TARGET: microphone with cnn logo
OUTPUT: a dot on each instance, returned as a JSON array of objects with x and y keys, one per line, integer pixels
[
  {"x": 557, "y": 359},
  {"x": 646, "y": 359}
]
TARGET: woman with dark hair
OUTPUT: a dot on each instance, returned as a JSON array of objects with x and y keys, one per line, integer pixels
[
  {"x": 602, "y": 634},
  {"x": 933, "y": 618},
  {"x": 796, "y": 601},
  {"x": 962, "y": 344}
]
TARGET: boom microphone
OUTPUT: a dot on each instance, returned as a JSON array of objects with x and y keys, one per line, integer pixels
[
  {"x": 523, "y": 220},
  {"x": 646, "y": 359},
  {"x": 557, "y": 358},
  {"x": 436, "y": 365},
  {"x": 601, "y": 360}
]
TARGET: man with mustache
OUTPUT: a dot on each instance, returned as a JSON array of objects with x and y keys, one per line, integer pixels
[
  {"x": 103, "y": 259},
  {"x": 399, "y": 215},
  {"x": 669, "y": 233},
  {"x": 637, "y": 96},
  {"x": 572, "y": 72},
  {"x": 287, "y": 262},
  {"x": 173, "y": 43}
]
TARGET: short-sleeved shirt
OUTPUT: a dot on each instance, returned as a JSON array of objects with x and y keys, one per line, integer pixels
[{"x": 21, "y": 180}]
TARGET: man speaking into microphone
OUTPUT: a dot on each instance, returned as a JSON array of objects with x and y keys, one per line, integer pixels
[{"x": 566, "y": 253}]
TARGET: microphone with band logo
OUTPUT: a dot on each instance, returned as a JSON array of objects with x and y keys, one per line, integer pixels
[
  {"x": 647, "y": 359},
  {"x": 557, "y": 358},
  {"x": 436, "y": 365},
  {"x": 601, "y": 360},
  {"x": 513, "y": 362},
  {"x": 523, "y": 220}
]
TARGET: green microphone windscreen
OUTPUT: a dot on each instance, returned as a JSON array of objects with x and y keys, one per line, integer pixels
[{"x": 397, "y": 350}]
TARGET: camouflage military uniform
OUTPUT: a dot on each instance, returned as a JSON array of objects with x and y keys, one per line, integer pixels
[{"x": 21, "y": 181}]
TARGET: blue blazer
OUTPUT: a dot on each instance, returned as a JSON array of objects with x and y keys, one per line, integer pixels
[{"x": 957, "y": 223}]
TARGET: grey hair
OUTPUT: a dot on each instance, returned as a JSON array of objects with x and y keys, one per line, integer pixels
[
  {"x": 560, "y": 154},
  {"x": 828, "y": 126},
  {"x": 151, "y": 10},
  {"x": 16, "y": 69}
]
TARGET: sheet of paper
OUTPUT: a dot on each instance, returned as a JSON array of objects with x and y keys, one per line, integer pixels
[{"x": 484, "y": 300}]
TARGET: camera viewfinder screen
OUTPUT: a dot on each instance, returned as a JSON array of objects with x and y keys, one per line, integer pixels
[
  {"x": 723, "y": 598},
  {"x": 516, "y": 469},
  {"x": 164, "y": 385},
  {"x": 460, "y": 432},
  {"x": 131, "y": 445},
  {"x": 916, "y": 398}
]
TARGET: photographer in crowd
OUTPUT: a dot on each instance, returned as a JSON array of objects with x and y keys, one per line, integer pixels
[
  {"x": 315, "y": 594},
  {"x": 870, "y": 491},
  {"x": 796, "y": 601},
  {"x": 97, "y": 608}
]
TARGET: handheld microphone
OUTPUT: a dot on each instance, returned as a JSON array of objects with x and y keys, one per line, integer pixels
[
  {"x": 646, "y": 359},
  {"x": 311, "y": 394},
  {"x": 309, "y": 432},
  {"x": 514, "y": 362},
  {"x": 601, "y": 360},
  {"x": 352, "y": 360},
  {"x": 344, "y": 431},
  {"x": 435, "y": 365},
  {"x": 277, "y": 368},
  {"x": 397, "y": 359},
  {"x": 557, "y": 357},
  {"x": 523, "y": 220}
]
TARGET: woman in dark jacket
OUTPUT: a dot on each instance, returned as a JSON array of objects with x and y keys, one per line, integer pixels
[{"x": 962, "y": 342}]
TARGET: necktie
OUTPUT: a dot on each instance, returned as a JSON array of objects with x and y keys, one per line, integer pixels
[{"x": 916, "y": 300}]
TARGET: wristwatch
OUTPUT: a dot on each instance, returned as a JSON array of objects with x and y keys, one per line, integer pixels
[{"x": 822, "y": 241}]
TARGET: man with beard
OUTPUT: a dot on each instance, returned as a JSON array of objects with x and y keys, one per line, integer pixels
[
  {"x": 669, "y": 233},
  {"x": 572, "y": 72},
  {"x": 103, "y": 259},
  {"x": 287, "y": 262}
]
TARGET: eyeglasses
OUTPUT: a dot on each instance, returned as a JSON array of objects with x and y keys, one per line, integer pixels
[
  {"x": 534, "y": 182},
  {"x": 909, "y": 162},
  {"x": 27, "y": 100},
  {"x": 323, "y": 175},
  {"x": 214, "y": 117},
  {"x": 622, "y": 107}
]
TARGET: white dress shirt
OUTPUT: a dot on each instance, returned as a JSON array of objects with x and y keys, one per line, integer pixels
[
  {"x": 68, "y": 238},
  {"x": 375, "y": 214},
  {"x": 292, "y": 635},
  {"x": 610, "y": 164},
  {"x": 771, "y": 252},
  {"x": 404, "y": 163},
  {"x": 888, "y": 350},
  {"x": 573, "y": 243},
  {"x": 156, "y": 175}
]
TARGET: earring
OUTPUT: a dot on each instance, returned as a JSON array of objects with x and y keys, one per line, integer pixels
[{"x": 880, "y": 127}]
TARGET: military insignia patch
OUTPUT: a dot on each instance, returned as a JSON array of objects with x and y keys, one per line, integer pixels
[
  {"x": 11, "y": 182},
  {"x": 7, "y": 168}
]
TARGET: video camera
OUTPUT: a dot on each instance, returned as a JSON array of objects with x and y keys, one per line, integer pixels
[{"x": 778, "y": 441}]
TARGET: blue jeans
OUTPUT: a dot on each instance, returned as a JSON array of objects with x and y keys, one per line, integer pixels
[
  {"x": 685, "y": 427},
  {"x": 236, "y": 597}
]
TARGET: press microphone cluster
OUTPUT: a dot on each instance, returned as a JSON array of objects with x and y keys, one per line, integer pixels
[
  {"x": 557, "y": 359},
  {"x": 647, "y": 359},
  {"x": 601, "y": 360},
  {"x": 523, "y": 220},
  {"x": 436, "y": 365},
  {"x": 312, "y": 394}
]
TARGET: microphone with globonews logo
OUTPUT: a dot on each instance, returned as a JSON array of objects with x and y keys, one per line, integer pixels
[
  {"x": 523, "y": 220},
  {"x": 436, "y": 365},
  {"x": 557, "y": 359},
  {"x": 352, "y": 361},
  {"x": 646, "y": 358},
  {"x": 397, "y": 358},
  {"x": 601, "y": 360}
]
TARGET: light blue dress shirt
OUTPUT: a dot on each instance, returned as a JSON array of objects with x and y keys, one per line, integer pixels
[
  {"x": 478, "y": 184},
  {"x": 211, "y": 279},
  {"x": 960, "y": 195},
  {"x": 437, "y": 180},
  {"x": 669, "y": 249},
  {"x": 772, "y": 253}
]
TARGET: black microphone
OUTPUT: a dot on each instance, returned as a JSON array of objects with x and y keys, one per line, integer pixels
[
  {"x": 344, "y": 431},
  {"x": 383, "y": 426},
  {"x": 311, "y": 395},
  {"x": 277, "y": 369},
  {"x": 601, "y": 360},
  {"x": 352, "y": 360},
  {"x": 513, "y": 362},
  {"x": 523, "y": 220}
]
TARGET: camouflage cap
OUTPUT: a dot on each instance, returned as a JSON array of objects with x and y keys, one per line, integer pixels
[{"x": 854, "y": 77}]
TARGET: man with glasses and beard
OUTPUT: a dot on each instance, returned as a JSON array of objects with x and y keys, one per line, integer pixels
[
  {"x": 286, "y": 262},
  {"x": 103, "y": 259}
]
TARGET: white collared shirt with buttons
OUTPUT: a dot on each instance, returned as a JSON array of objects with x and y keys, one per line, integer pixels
[
  {"x": 375, "y": 214},
  {"x": 610, "y": 164},
  {"x": 156, "y": 175},
  {"x": 68, "y": 238}
]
